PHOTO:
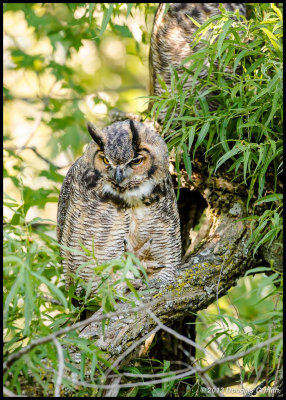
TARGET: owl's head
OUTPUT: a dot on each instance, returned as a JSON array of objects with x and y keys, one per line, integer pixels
[{"x": 128, "y": 158}]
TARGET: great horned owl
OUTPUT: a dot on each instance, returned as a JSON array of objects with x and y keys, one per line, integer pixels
[
  {"x": 172, "y": 36},
  {"x": 119, "y": 197}
]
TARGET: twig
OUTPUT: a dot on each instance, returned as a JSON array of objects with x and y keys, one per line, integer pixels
[
  {"x": 178, "y": 335},
  {"x": 8, "y": 393},
  {"x": 19, "y": 149},
  {"x": 205, "y": 378},
  {"x": 160, "y": 374},
  {"x": 113, "y": 392},
  {"x": 160, "y": 325},
  {"x": 37, "y": 122},
  {"x": 49, "y": 299},
  {"x": 60, "y": 367},
  {"x": 244, "y": 353},
  {"x": 191, "y": 371},
  {"x": 187, "y": 373},
  {"x": 207, "y": 381},
  {"x": 254, "y": 391},
  {"x": 13, "y": 357},
  {"x": 241, "y": 380},
  {"x": 277, "y": 371},
  {"x": 130, "y": 349}
]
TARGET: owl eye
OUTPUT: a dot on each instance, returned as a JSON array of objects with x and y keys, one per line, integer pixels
[
  {"x": 137, "y": 161},
  {"x": 105, "y": 160}
]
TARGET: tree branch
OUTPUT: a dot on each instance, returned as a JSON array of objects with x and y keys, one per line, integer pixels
[
  {"x": 181, "y": 375},
  {"x": 60, "y": 372},
  {"x": 32, "y": 148},
  {"x": 42, "y": 340},
  {"x": 209, "y": 273}
]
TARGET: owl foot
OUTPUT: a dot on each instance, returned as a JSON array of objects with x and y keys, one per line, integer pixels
[
  {"x": 142, "y": 251},
  {"x": 137, "y": 284},
  {"x": 164, "y": 278}
]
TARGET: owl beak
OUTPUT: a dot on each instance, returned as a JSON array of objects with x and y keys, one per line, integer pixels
[{"x": 118, "y": 175}]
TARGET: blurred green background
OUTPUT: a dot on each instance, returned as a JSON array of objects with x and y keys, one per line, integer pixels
[{"x": 65, "y": 64}]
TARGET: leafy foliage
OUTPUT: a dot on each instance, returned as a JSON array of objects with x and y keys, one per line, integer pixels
[
  {"x": 243, "y": 131},
  {"x": 36, "y": 303},
  {"x": 249, "y": 323}
]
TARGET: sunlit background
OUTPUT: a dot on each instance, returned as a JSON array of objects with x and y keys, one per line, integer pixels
[{"x": 86, "y": 80}]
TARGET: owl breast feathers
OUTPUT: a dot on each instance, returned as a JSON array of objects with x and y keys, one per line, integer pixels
[{"x": 119, "y": 197}]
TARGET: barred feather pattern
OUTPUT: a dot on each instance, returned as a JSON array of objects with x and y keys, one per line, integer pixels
[
  {"x": 171, "y": 39},
  {"x": 140, "y": 216}
]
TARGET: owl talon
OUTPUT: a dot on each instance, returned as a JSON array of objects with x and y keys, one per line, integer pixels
[
  {"x": 165, "y": 277},
  {"x": 127, "y": 246},
  {"x": 155, "y": 283},
  {"x": 136, "y": 283}
]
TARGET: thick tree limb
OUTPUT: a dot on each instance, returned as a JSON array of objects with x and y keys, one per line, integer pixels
[{"x": 209, "y": 273}]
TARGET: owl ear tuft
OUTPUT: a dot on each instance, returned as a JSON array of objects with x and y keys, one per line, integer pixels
[
  {"x": 95, "y": 133},
  {"x": 135, "y": 136}
]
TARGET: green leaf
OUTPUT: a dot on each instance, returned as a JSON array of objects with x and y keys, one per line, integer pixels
[
  {"x": 271, "y": 234},
  {"x": 166, "y": 9},
  {"x": 242, "y": 54},
  {"x": 56, "y": 291},
  {"x": 194, "y": 21},
  {"x": 230, "y": 54},
  {"x": 222, "y": 135},
  {"x": 106, "y": 18},
  {"x": 162, "y": 82},
  {"x": 257, "y": 270},
  {"x": 274, "y": 108},
  {"x": 226, "y": 156},
  {"x": 222, "y": 36},
  {"x": 258, "y": 355},
  {"x": 246, "y": 155},
  {"x": 270, "y": 197},
  {"x": 208, "y": 22},
  {"x": 123, "y": 31},
  {"x": 276, "y": 9},
  {"x": 129, "y": 8},
  {"x": 272, "y": 39},
  {"x": 29, "y": 302},
  {"x": 191, "y": 133},
  {"x": 187, "y": 161},
  {"x": 13, "y": 292},
  {"x": 202, "y": 134},
  {"x": 90, "y": 11},
  {"x": 255, "y": 65},
  {"x": 269, "y": 316}
]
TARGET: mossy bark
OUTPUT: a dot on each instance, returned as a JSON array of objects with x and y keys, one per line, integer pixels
[{"x": 209, "y": 272}]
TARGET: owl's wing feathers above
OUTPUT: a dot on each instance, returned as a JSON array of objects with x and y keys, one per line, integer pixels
[{"x": 64, "y": 197}]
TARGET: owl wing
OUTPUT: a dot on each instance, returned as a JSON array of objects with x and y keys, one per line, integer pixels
[{"x": 65, "y": 195}]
